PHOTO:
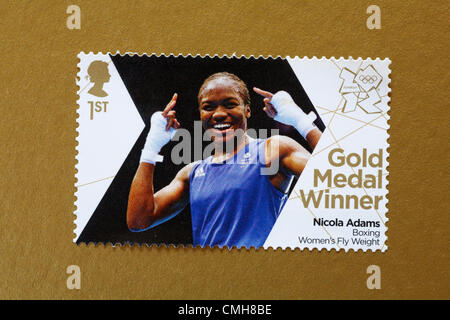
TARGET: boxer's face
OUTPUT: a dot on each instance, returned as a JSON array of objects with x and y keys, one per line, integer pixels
[{"x": 222, "y": 109}]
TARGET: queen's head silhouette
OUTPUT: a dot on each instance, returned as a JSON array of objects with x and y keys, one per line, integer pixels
[{"x": 98, "y": 74}]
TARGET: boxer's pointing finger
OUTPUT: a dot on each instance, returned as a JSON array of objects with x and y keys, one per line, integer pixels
[
  {"x": 263, "y": 93},
  {"x": 170, "y": 105}
]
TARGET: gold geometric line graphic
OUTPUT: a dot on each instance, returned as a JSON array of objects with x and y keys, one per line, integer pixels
[
  {"x": 346, "y": 116},
  {"x": 365, "y": 191},
  {"x": 334, "y": 113},
  {"x": 329, "y": 234},
  {"x": 340, "y": 69},
  {"x": 83, "y": 88},
  {"x": 387, "y": 105},
  {"x": 384, "y": 117},
  {"x": 329, "y": 111},
  {"x": 359, "y": 68},
  {"x": 347, "y": 135},
  {"x": 85, "y": 184}
]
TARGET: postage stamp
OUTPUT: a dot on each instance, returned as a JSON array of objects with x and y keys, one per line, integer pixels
[{"x": 232, "y": 151}]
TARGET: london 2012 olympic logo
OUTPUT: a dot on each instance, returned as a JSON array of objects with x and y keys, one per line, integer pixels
[{"x": 360, "y": 89}]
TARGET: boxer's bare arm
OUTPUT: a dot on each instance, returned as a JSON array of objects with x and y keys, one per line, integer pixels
[
  {"x": 313, "y": 137},
  {"x": 288, "y": 152},
  {"x": 146, "y": 209}
]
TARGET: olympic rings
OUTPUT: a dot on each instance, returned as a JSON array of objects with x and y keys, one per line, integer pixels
[{"x": 368, "y": 79}]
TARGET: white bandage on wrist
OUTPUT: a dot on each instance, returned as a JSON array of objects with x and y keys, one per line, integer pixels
[
  {"x": 157, "y": 138},
  {"x": 288, "y": 112}
]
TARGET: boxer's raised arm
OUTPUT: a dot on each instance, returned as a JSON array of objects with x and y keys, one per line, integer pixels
[
  {"x": 144, "y": 208},
  {"x": 282, "y": 108}
]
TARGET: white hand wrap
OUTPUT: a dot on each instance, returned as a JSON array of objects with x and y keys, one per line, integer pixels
[
  {"x": 288, "y": 112},
  {"x": 157, "y": 138}
]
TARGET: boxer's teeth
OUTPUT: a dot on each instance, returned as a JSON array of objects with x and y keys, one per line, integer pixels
[{"x": 221, "y": 126}]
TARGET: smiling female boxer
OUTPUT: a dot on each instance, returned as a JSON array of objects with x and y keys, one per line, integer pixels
[{"x": 232, "y": 202}]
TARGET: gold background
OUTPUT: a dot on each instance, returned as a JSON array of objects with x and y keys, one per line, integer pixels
[{"x": 38, "y": 101}]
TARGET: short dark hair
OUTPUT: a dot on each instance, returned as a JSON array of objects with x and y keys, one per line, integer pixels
[{"x": 241, "y": 86}]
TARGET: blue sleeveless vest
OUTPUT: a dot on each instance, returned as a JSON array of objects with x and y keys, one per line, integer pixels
[{"x": 232, "y": 203}]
